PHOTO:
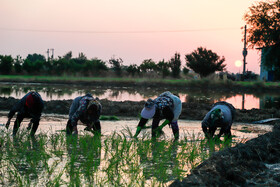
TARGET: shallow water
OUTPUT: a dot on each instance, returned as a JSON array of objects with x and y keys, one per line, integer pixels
[
  {"x": 113, "y": 160},
  {"x": 64, "y": 91},
  {"x": 51, "y": 124}
]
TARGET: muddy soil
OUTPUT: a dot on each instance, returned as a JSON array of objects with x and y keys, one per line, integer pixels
[
  {"x": 257, "y": 162},
  {"x": 191, "y": 110}
]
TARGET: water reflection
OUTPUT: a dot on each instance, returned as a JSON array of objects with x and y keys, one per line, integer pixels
[
  {"x": 163, "y": 155},
  {"x": 84, "y": 155},
  {"x": 29, "y": 156},
  {"x": 60, "y": 92}
]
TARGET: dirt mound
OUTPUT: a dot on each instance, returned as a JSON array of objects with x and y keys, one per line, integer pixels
[
  {"x": 191, "y": 110},
  {"x": 254, "y": 163}
]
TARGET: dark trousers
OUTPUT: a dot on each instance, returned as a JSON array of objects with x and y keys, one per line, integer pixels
[
  {"x": 18, "y": 121},
  {"x": 155, "y": 125},
  {"x": 69, "y": 128},
  {"x": 174, "y": 126},
  {"x": 225, "y": 131}
]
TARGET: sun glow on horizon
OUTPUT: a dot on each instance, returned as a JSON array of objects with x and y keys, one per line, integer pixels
[{"x": 238, "y": 63}]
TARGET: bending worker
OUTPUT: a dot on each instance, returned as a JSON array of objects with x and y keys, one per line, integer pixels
[
  {"x": 167, "y": 106},
  {"x": 221, "y": 115},
  {"x": 30, "y": 106},
  {"x": 86, "y": 109}
]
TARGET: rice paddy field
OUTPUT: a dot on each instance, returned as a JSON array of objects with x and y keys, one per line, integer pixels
[{"x": 112, "y": 159}]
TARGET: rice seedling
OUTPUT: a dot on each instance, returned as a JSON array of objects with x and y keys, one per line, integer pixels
[
  {"x": 94, "y": 160},
  {"x": 110, "y": 118}
]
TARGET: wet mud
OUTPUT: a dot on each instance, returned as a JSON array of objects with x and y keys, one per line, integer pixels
[
  {"x": 191, "y": 110},
  {"x": 257, "y": 162}
]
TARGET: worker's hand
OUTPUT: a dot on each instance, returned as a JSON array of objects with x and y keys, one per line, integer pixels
[
  {"x": 75, "y": 130},
  {"x": 217, "y": 139},
  {"x": 29, "y": 125},
  {"x": 8, "y": 123},
  {"x": 159, "y": 131},
  {"x": 87, "y": 128}
]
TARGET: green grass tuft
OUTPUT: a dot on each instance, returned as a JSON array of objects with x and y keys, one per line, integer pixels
[
  {"x": 92, "y": 160},
  {"x": 109, "y": 118}
]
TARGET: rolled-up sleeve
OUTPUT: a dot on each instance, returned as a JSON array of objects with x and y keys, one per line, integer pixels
[{"x": 76, "y": 116}]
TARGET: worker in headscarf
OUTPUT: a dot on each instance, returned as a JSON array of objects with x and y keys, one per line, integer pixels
[
  {"x": 167, "y": 106},
  {"x": 221, "y": 115}
]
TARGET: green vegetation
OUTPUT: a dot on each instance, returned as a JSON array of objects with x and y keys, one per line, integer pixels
[
  {"x": 201, "y": 83},
  {"x": 263, "y": 24},
  {"x": 87, "y": 160},
  {"x": 263, "y": 32},
  {"x": 37, "y": 64},
  {"x": 110, "y": 118},
  {"x": 205, "y": 62},
  {"x": 245, "y": 130}
]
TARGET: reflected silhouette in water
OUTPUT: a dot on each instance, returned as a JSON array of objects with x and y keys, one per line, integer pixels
[
  {"x": 63, "y": 91},
  {"x": 28, "y": 157},
  {"x": 162, "y": 163},
  {"x": 84, "y": 154}
]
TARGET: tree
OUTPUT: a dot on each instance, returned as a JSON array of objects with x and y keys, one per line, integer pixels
[
  {"x": 175, "y": 65},
  {"x": 34, "y": 63},
  {"x": 94, "y": 67},
  {"x": 18, "y": 64},
  {"x": 68, "y": 56},
  {"x": 116, "y": 65},
  {"x": 185, "y": 71},
  {"x": 6, "y": 64},
  {"x": 163, "y": 68},
  {"x": 35, "y": 57},
  {"x": 132, "y": 69},
  {"x": 148, "y": 65},
  {"x": 263, "y": 20},
  {"x": 205, "y": 62},
  {"x": 33, "y": 67},
  {"x": 82, "y": 59},
  {"x": 99, "y": 65}
]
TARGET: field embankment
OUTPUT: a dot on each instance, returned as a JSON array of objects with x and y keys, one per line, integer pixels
[
  {"x": 254, "y": 163},
  {"x": 191, "y": 110},
  {"x": 227, "y": 85}
]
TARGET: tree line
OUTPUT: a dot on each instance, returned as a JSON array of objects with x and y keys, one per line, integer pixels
[{"x": 201, "y": 61}]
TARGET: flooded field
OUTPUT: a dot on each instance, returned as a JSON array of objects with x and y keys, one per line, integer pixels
[
  {"x": 62, "y": 91},
  {"x": 114, "y": 159},
  {"x": 51, "y": 124}
]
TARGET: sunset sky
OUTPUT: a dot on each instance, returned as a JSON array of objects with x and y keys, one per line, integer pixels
[{"x": 133, "y": 30}]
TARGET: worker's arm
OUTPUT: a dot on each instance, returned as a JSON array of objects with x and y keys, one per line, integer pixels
[
  {"x": 164, "y": 124},
  {"x": 140, "y": 125}
]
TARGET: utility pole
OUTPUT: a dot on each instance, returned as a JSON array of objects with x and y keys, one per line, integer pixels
[{"x": 245, "y": 52}]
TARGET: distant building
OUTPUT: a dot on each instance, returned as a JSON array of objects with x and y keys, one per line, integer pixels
[{"x": 266, "y": 74}]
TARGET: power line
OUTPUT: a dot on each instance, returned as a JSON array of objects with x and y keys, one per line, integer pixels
[{"x": 115, "y": 32}]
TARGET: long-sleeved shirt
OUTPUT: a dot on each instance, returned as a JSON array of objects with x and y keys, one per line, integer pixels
[
  {"x": 168, "y": 102},
  {"x": 78, "y": 111},
  {"x": 176, "y": 106},
  {"x": 228, "y": 115},
  {"x": 35, "y": 111}
]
